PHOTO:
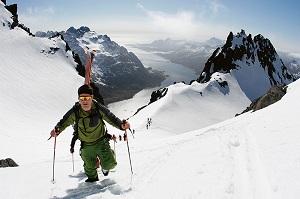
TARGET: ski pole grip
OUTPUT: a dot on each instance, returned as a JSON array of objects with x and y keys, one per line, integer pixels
[{"x": 56, "y": 130}]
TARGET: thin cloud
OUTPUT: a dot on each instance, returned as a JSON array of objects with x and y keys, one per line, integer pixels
[
  {"x": 180, "y": 23},
  {"x": 38, "y": 17},
  {"x": 215, "y": 7},
  {"x": 39, "y": 11}
]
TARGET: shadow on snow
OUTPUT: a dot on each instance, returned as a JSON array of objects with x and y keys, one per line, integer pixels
[{"x": 87, "y": 189}]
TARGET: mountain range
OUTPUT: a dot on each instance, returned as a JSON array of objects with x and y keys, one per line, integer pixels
[
  {"x": 254, "y": 64},
  {"x": 188, "y": 53},
  {"x": 194, "y": 55},
  {"x": 116, "y": 69},
  {"x": 117, "y": 73}
]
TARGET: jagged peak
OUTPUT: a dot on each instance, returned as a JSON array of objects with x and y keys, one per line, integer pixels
[
  {"x": 104, "y": 37},
  {"x": 84, "y": 29},
  {"x": 241, "y": 34},
  {"x": 259, "y": 36},
  {"x": 241, "y": 53},
  {"x": 78, "y": 32},
  {"x": 71, "y": 29}
]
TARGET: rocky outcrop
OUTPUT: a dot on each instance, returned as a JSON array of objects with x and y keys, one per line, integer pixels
[
  {"x": 13, "y": 9},
  {"x": 274, "y": 94},
  {"x": 156, "y": 95},
  {"x": 8, "y": 162}
]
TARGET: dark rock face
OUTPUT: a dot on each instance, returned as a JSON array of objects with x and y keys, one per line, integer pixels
[
  {"x": 13, "y": 9},
  {"x": 8, "y": 162},
  {"x": 274, "y": 94},
  {"x": 156, "y": 95}
]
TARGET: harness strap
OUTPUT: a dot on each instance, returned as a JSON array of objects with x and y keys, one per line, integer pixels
[{"x": 76, "y": 111}]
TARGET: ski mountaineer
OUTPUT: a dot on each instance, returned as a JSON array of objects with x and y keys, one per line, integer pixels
[{"x": 92, "y": 133}]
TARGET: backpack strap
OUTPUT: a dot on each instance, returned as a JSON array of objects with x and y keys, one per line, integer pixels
[
  {"x": 76, "y": 111},
  {"x": 75, "y": 125},
  {"x": 99, "y": 114}
]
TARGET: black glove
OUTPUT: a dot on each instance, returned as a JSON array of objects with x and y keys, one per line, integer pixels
[
  {"x": 71, "y": 150},
  {"x": 111, "y": 137},
  {"x": 108, "y": 136},
  {"x": 125, "y": 137}
]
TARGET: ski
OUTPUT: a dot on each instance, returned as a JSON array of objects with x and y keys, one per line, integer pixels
[{"x": 90, "y": 54}]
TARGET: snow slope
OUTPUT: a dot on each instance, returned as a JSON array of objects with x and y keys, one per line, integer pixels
[
  {"x": 194, "y": 148},
  {"x": 193, "y": 107},
  {"x": 34, "y": 90}
]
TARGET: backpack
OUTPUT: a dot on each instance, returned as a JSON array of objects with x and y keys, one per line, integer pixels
[{"x": 75, "y": 125}]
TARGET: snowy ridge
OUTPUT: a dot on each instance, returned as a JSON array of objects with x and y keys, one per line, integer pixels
[
  {"x": 5, "y": 19},
  {"x": 33, "y": 70},
  {"x": 211, "y": 103}
]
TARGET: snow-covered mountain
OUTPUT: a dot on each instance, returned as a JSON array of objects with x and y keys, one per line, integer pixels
[
  {"x": 187, "y": 53},
  {"x": 254, "y": 63},
  {"x": 293, "y": 65},
  {"x": 173, "y": 45},
  {"x": 294, "y": 68},
  {"x": 118, "y": 74},
  {"x": 163, "y": 45},
  {"x": 214, "y": 42},
  {"x": 255, "y": 155},
  {"x": 291, "y": 61}
]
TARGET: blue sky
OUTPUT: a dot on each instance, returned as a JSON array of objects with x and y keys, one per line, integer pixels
[{"x": 143, "y": 21}]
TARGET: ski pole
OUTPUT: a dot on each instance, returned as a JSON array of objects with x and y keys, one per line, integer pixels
[
  {"x": 128, "y": 151},
  {"x": 115, "y": 149},
  {"x": 129, "y": 128},
  {"x": 131, "y": 132},
  {"x": 54, "y": 158},
  {"x": 73, "y": 161}
]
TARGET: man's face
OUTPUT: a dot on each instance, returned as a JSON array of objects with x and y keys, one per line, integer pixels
[{"x": 85, "y": 101}]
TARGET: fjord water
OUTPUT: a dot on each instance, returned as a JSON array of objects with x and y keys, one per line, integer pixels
[{"x": 175, "y": 72}]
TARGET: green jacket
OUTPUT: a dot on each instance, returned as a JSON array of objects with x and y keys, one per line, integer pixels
[{"x": 90, "y": 127}]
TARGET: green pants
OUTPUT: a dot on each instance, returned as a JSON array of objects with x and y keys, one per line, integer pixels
[{"x": 103, "y": 151}]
